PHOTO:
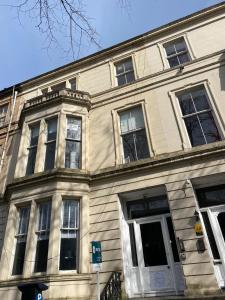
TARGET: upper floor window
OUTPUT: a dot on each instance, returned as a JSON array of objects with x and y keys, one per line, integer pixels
[
  {"x": 44, "y": 215},
  {"x": 3, "y": 113},
  {"x": 133, "y": 134},
  {"x": 73, "y": 84},
  {"x": 177, "y": 52},
  {"x": 69, "y": 235},
  {"x": 59, "y": 86},
  {"x": 73, "y": 143},
  {"x": 21, "y": 240},
  {"x": 32, "y": 149},
  {"x": 51, "y": 143},
  {"x": 125, "y": 71},
  {"x": 198, "y": 116},
  {"x": 70, "y": 83}
]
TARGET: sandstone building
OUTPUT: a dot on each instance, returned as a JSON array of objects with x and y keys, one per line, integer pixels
[{"x": 125, "y": 146}]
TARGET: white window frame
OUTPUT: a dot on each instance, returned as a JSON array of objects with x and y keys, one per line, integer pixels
[
  {"x": 18, "y": 235},
  {"x": 112, "y": 67},
  {"x": 39, "y": 232},
  {"x": 69, "y": 139},
  {"x": 47, "y": 142},
  {"x": 163, "y": 54},
  {"x": 185, "y": 140},
  {"x": 119, "y": 152},
  {"x": 75, "y": 229}
]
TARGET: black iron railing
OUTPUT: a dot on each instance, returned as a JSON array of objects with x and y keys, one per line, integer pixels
[{"x": 112, "y": 290}]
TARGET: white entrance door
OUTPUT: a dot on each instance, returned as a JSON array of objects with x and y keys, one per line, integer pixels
[
  {"x": 214, "y": 222},
  {"x": 158, "y": 270}
]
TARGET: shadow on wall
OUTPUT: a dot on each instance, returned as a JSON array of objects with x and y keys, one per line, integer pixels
[{"x": 222, "y": 72}]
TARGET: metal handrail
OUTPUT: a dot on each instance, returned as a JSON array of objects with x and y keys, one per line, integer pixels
[{"x": 112, "y": 290}]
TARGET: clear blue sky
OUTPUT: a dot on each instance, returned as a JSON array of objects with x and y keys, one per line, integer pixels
[{"x": 22, "y": 49}]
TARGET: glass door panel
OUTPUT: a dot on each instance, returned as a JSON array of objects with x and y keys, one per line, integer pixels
[
  {"x": 221, "y": 221},
  {"x": 153, "y": 244}
]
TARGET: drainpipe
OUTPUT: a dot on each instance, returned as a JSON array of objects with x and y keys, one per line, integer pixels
[{"x": 14, "y": 95}]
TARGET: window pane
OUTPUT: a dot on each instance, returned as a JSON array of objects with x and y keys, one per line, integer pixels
[
  {"x": 44, "y": 216},
  {"x": 74, "y": 128},
  {"x": 124, "y": 117},
  {"x": 170, "y": 49},
  {"x": 183, "y": 58},
  {"x": 68, "y": 252},
  {"x": 153, "y": 244},
  {"x": 3, "y": 112},
  {"x": 128, "y": 65},
  {"x": 194, "y": 131},
  {"x": 19, "y": 257},
  {"x": 34, "y": 134},
  {"x": 52, "y": 129},
  {"x": 210, "y": 235},
  {"x": 70, "y": 214},
  {"x": 130, "y": 77},
  {"x": 147, "y": 207},
  {"x": 72, "y": 159},
  {"x": 141, "y": 144},
  {"x": 186, "y": 104},
  {"x": 180, "y": 45},
  {"x": 131, "y": 119},
  {"x": 31, "y": 161},
  {"x": 133, "y": 245},
  {"x": 23, "y": 220},
  {"x": 41, "y": 256},
  {"x": 173, "y": 61},
  {"x": 209, "y": 127},
  {"x": 21, "y": 240},
  {"x": 119, "y": 68},
  {"x": 129, "y": 147},
  {"x": 121, "y": 79},
  {"x": 50, "y": 156},
  {"x": 211, "y": 196},
  {"x": 200, "y": 100},
  {"x": 73, "y": 84}
]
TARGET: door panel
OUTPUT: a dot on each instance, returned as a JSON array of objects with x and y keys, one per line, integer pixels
[{"x": 153, "y": 244}]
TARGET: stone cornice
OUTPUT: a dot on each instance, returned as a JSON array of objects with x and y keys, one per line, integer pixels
[
  {"x": 184, "y": 157},
  {"x": 64, "y": 95},
  {"x": 45, "y": 278}
]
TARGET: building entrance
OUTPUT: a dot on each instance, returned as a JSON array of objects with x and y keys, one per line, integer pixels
[{"x": 152, "y": 264}]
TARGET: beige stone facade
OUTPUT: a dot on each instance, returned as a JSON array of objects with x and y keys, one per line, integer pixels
[{"x": 128, "y": 145}]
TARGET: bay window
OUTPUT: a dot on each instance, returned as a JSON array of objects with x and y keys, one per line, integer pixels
[
  {"x": 44, "y": 215},
  {"x": 133, "y": 134},
  {"x": 21, "y": 240},
  {"x": 73, "y": 143},
  {"x": 69, "y": 235}
]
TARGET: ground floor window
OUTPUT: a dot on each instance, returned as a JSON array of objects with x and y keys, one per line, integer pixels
[
  {"x": 21, "y": 240},
  {"x": 69, "y": 235}
]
